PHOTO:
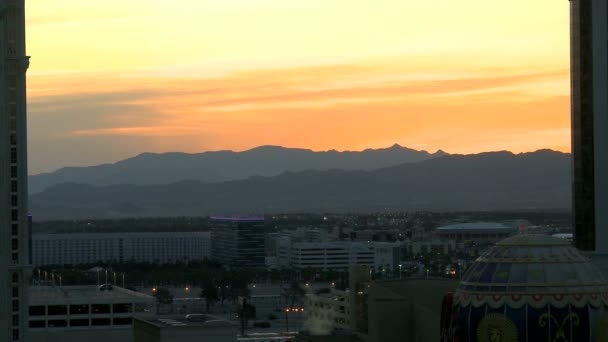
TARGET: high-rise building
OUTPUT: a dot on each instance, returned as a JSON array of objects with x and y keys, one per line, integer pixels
[
  {"x": 589, "y": 68},
  {"x": 14, "y": 255},
  {"x": 238, "y": 242}
]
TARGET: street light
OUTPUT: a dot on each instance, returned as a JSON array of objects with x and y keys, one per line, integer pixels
[{"x": 400, "y": 266}]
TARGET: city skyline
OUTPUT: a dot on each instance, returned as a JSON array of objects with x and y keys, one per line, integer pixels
[{"x": 112, "y": 84}]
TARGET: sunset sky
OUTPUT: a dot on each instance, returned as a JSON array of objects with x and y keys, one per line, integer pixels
[{"x": 112, "y": 78}]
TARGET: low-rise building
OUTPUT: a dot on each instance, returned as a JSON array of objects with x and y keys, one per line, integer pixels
[
  {"x": 406, "y": 310},
  {"x": 338, "y": 254},
  {"x": 84, "y": 313},
  {"x": 336, "y": 311},
  {"x": 479, "y": 232},
  {"x": 188, "y": 328},
  {"x": 432, "y": 247},
  {"x": 327, "y": 312},
  {"x": 166, "y": 247}
]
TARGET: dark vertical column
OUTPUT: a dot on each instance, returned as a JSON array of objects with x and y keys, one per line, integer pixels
[
  {"x": 583, "y": 193},
  {"x": 30, "y": 223}
]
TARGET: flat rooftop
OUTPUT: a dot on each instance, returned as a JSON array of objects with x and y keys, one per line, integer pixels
[
  {"x": 476, "y": 226},
  {"x": 237, "y": 219},
  {"x": 117, "y": 235},
  {"x": 88, "y": 294},
  {"x": 181, "y": 321}
]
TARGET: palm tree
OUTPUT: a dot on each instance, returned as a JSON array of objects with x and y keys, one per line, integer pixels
[{"x": 210, "y": 293}]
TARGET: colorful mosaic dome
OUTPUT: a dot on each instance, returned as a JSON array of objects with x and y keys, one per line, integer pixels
[{"x": 530, "y": 287}]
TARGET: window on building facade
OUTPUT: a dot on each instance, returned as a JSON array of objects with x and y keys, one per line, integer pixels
[
  {"x": 37, "y": 310},
  {"x": 58, "y": 323},
  {"x": 79, "y": 322},
  {"x": 123, "y": 321},
  {"x": 100, "y": 308},
  {"x": 37, "y": 324},
  {"x": 79, "y": 309},
  {"x": 100, "y": 321},
  {"x": 56, "y": 310}
]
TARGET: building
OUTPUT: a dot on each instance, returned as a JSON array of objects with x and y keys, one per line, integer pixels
[
  {"x": 70, "y": 249},
  {"x": 479, "y": 232},
  {"x": 339, "y": 311},
  {"x": 189, "y": 328},
  {"x": 374, "y": 235},
  {"x": 84, "y": 313},
  {"x": 528, "y": 288},
  {"x": 297, "y": 235},
  {"x": 238, "y": 242},
  {"x": 307, "y": 234},
  {"x": 432, "y": 247},
  {"x": 327, "y": 312},
  {"x": 406, "y": 310},
  {"x": 14, "y": 234},
  {"x": 589, "y": 75},
  {"x": 338, "y": 254}
]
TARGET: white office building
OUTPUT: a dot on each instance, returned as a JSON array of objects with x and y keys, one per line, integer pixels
[
  {"x": 14, "y": 232},
  {"x": 337, "y": 254},
  {"x": 70, "y": 249}
]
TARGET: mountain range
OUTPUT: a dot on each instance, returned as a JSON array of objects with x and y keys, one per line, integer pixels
[
  {"x": 222, "y": 166},
  {"x": 486, "y": 181}
]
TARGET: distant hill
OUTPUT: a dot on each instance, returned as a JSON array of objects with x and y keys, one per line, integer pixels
[
  {"x": 221, "y": 166},
  {"x": 486, "y": 181}
]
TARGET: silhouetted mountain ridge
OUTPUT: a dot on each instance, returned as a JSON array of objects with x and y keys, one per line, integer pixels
[
  {"x": 221, "y": 166},
  {"x": 486, "y": 181}
]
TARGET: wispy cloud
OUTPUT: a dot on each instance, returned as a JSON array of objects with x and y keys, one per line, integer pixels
[
  {"x": 332, "y": 106},
  {"x": 158, "y": 131}
]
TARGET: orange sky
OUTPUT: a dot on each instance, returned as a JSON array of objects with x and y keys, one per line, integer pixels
[{"x": 204, "y": 75}]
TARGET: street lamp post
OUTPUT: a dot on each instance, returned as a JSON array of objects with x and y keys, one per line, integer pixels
[{"x": 400, "y": 266}]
